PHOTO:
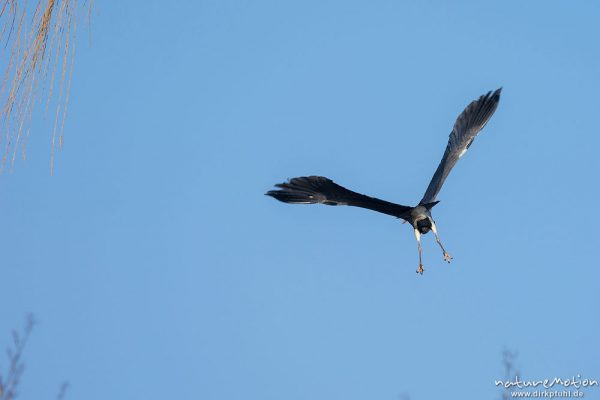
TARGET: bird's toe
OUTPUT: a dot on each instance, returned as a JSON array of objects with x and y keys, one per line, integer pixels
[{"x": 447, "y": 258}]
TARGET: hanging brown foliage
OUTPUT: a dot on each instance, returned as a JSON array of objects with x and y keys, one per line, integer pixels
[{"x": 37, "y": 49}]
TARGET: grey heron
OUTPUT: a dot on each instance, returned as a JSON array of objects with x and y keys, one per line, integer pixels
[{"x": 321, "y": 190}]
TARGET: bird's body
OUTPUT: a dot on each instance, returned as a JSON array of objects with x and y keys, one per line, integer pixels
[
  {"x": 420, "y": 218},
  {"x": 321, "y": 190}
]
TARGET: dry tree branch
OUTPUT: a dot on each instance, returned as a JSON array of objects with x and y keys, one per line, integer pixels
[
  {"x": 9, "y": 382},
  {"x": 62, "y": 391},
  {"x": 11, "y": 378},
  {"x": 508, "y": 362}
]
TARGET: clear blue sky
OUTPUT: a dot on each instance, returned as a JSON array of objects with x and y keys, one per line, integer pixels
[{"x": 158, "y": 269}]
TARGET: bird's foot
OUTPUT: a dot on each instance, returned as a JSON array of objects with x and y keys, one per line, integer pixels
[
  {"x": 420, "y": 270},
  {"x": 447, "y": 257}
]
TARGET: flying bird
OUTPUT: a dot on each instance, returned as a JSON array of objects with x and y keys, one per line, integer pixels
[{"x": 321, "y": 190}]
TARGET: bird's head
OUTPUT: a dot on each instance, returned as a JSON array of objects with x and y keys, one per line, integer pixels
[{"x": 424, "y": 225}]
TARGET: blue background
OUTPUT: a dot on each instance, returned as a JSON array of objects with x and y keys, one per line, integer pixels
[{"x": 157, "y": 269}]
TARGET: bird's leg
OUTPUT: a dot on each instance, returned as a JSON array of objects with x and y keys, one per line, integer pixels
[
  {"x": 447, "y": 257},
  {"x": 418, "y": 237}
]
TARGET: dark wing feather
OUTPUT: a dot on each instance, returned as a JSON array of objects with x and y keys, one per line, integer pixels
[
  {"x": 467, "y": 126},
  {"x": 321, "y": 190}
]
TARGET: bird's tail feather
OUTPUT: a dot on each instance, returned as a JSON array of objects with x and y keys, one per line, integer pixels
[
  {"x": 303, "y": 190},
  {"x": 321, "y": 190}
]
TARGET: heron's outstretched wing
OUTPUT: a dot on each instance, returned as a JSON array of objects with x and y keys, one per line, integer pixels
[
  {"x": 321, "y": 190},
  {"x": 466, "y": 127}
]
